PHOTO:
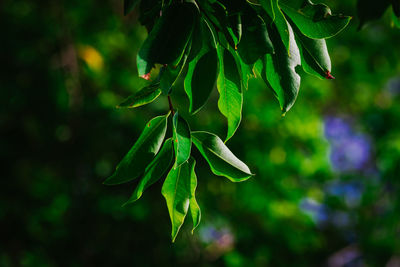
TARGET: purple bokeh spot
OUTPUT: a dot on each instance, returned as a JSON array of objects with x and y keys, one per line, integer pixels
[
  {"x": 393, "y": 86},
  {"x": 350, "y": 151},
  {"x": 350, "y": 191},
  {"x": 222, "y": 237},
  {"x": 316, "y": 210},
  {"x": 336, "y": 128}
]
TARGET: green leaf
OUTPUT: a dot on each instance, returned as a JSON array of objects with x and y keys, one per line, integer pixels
[
  {"x": 169, "y": 74},
  {"x": 247, "y": 73},
  {"x": 235, "y": 27},
  {"x": 314, "y": 20},
  {"x": 203, "y": 69},
  {"x": 129, "y": 5},
  {"x": 314, "y": 54},
  {"x": 144, "y": 96},
  {"x": 395, "y": 20},
  {"x": 217, "y": 14},
  {"x": 154, "y": 171},
  {"x": 178, "y": 190},
  {"x": 168, "y": 39},
  {"x": 149, "y": 12},
  {"x": 142, "y": 153},
  {"x": 245, "y": 70},
  {"x": 230, "y": 94},
  {"x": 234, "y": 12},
  {"x": 182, "y": 139},
  {"x": 255, "y": 41},
  {"x": 200, "y": 79},
  {"x": 281, "y": 70},
  {"x": 221, "y": 160},
  {"x": 275, "y": 13},
  {"x": 197, "y": 38}
]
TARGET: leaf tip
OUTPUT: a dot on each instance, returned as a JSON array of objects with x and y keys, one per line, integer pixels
[
  {"x": 146, "y": 76},
  {"x": 329, "y": 76}
]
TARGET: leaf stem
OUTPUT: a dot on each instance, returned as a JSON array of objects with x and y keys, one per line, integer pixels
[{"x": 171, "y": 107}]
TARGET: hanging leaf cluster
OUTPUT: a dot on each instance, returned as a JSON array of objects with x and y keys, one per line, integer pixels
[{"x": 216, "y": 44}]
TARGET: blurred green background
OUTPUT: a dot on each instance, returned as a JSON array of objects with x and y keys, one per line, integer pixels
[{"x": 326, "y": 190}]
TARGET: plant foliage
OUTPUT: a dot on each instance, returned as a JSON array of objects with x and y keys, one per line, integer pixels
[{"x": 216, "y": 43}]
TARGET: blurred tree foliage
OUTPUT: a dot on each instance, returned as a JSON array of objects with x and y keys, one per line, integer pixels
[{"x": 325, "y": 190}]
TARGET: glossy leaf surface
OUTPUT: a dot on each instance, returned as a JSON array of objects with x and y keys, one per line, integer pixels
[
  {"x": 168, "y": 39},
  {"x": 144, "y": 96},
  {"x": 315, "y": 58},
  {"x": 314, "y": 20},
  {"x": 274, "y": 11},
  {"x": 142, "y": 153},
  {"x": 230, "y": 94},
  {"x": 201, "y": 79},
  {"x": 221, "y": 160},
  {"x": 255, "y": 42},
  {"x": 178, "y": 191},
  {"x": 154, "y": 171},
  {"x": 281, "y": 70},
  {"x": 182, "y": 139}
]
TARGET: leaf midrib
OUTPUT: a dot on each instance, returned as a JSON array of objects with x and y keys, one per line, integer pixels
[{"x": 212, "y": 151}]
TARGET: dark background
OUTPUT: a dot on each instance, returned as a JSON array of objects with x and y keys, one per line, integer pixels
[{"x": 327, "y": 174}]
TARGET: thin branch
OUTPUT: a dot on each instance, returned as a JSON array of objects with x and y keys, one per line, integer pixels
[{"x": 171, "y": 107}]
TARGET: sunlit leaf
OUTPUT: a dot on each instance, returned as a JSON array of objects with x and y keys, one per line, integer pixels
[
  {"x": 182, "y": 139},
  {"x": 229, "y": 87},
  {"x": 273, "y": 10},
  {"x": 154, "y": 171},
  {"x": 142, "y": 153},
  {"x": 221, "y": 160},
  {"x": 178, "y": 190},
  {"x": 314, "y": 20},
  {"x": 145, "y": 96},
  {"x": 281, "y": 70},
  {"x": 315, "y": 58}
]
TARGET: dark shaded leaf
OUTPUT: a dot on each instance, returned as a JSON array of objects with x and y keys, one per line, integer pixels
[
  {"x": 154, "y": 171},
  {"x": 168, "y": 39},
  {"x": 255, "y": 41},
  {"x": 170, "y": 74},
  {"x": 129, "y": 5},
  {"x": 149, "y": 12},
  {"x": 200, "y": 79},
  {"x": 142, "y": 152}
]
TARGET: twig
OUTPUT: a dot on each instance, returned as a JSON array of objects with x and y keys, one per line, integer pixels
[{"x": 171, "y": 107}]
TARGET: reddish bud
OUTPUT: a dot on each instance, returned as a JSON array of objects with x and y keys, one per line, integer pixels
[
  {"x": 146, "y": 76},
  {"x": 329, "y": 76}
]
